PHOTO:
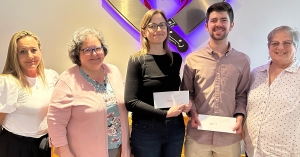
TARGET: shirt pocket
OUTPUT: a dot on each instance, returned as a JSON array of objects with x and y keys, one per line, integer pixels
[{"x": 229, "y": 77}]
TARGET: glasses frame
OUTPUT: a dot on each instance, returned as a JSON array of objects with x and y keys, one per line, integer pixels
[
  {"x": 86, "y": 52},
  {"x": 162, "y": 26},
  {"x": 285, "y": 44}
]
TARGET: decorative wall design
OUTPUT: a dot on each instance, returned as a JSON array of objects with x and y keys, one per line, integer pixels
[{"x": 185, "y": 18}]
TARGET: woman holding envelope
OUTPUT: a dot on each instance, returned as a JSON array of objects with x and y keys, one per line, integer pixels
[{"x": 155, "y": 131}]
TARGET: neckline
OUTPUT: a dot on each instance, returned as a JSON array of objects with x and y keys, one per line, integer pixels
[
  {"x": 33, "y": 81},
  {"x": 95, "y": 84},
  {"x": 157, "y": 54}
]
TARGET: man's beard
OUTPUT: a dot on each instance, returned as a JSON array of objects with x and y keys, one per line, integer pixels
[{"x": 219, "y": 37}]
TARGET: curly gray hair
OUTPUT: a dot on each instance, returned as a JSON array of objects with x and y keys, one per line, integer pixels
[{"x": 79, "y": 36}]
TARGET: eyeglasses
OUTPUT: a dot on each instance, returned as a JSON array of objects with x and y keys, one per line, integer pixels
[
  {"x": 155, "y": 26},
  {"x": 89, "y": 51},
  {"x": 285, "y": 44}
]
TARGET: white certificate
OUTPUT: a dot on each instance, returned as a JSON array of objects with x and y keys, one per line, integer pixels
[
  {"x": 216, "y": 123},
  {"x": 169, "y": 99}
]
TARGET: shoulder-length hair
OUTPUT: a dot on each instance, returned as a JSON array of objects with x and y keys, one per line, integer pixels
[
  {"x": 145, "y": 46},
  {"x": 12, "y": 65}
]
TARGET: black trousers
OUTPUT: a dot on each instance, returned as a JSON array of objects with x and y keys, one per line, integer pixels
[{"x": 12, "y": 145}]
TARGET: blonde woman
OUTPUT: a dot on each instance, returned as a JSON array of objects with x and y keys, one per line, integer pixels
[
  {"x": 25, "y": 91},
  {"x": 155, "y": 132}
]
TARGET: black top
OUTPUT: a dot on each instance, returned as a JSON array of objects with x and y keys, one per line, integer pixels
[{"x": 148, "y": 74}]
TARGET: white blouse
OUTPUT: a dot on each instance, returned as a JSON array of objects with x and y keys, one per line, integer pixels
[
  {"x": 272, "y": 127},
  {"x": 26, "y": 112}
]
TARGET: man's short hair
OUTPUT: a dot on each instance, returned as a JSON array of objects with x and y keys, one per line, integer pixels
[{"x": 219, "y": 7}]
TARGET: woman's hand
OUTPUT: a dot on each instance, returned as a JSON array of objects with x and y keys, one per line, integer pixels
[
  {"x": 175, "y": 110},
  {"x": 187, "y": 107},
  {"x": 64, "y": 151},
  {"x": 2, "y": 116}
]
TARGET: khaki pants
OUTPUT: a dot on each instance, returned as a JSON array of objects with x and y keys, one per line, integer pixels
[{"x": 194, "y": 149}]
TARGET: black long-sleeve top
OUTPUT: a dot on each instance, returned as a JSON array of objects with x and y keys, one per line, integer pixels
[{"x": 146, "y": 75}]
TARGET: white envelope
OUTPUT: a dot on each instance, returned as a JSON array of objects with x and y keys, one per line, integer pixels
[
  {"x": 216, "y": 123},
  {"x": 169, "y": 99}
]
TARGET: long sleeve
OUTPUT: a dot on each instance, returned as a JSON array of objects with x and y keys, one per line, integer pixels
[
  {"x": 188, "y": 81},
  {"x": 59, "y": 113},
  {"x": 133, "y": 92},
  {"x": 242, "y": 89}
]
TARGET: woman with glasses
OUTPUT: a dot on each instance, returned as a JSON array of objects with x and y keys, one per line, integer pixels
[
  {"x": 272, "y": 125},
  {"x": 87, "y": 116},
  {"x": 155, "y": 132},
  {"x": 25, "y": 91}
]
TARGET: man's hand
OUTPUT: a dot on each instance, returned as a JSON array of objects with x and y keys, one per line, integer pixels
[
  {"x": 239, "y": 125},
  {"x": 194, "y": 119}
]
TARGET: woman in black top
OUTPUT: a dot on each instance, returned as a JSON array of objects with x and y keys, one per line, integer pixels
[{"x": 155, "y": 132}]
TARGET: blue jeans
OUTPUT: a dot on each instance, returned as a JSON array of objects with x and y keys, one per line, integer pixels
[{"x": 153, "y": 138}]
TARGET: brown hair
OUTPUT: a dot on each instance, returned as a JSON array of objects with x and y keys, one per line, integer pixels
[
  {"x": 219, "y": 7},
  {"x": 145, "y": 46}
]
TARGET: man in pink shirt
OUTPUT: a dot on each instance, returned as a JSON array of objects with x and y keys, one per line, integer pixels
[{"x": 217, "y": 77}]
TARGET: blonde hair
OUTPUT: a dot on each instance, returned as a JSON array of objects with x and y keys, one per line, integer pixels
[
  {"x": 145, "y": 46},
  {"x": 12, "y": 65}
]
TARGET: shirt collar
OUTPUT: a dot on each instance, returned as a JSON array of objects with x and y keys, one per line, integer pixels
[
  {"x": 265, "y": 67},
  {"x": 293, "y": 67},
  {"x": 211, "y": 52}
]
